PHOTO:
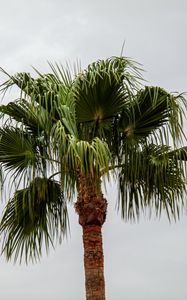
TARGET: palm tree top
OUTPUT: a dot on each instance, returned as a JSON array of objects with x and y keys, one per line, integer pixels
[{"x": 101, "y": 121}]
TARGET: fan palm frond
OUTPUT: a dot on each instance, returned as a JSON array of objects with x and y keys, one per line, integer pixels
[
  {"x": 153, "y": 108},
  {"x": 101, "y": 91},
  {"x": 35, "y": 216},
  {"x": 35, "y": 118},
  {"x": 16, "y": 149},
  {"x": 150, "y": 177}
]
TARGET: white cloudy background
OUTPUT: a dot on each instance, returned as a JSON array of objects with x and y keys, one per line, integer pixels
[{"x": 144, "y": 261}]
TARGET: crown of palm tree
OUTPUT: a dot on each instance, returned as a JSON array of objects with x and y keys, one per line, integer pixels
[{"x": 99, "y": 121}]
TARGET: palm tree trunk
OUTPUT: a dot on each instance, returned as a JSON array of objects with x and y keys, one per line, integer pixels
[
  {"x": 93, "y": 262},
  {"x": 91, "y": 208}
]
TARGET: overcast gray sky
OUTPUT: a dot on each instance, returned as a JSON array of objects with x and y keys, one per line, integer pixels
[{"x": 145, "y": 261}]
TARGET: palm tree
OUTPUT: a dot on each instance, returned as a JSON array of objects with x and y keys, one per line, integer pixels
[{"x": 68, "y": 131}]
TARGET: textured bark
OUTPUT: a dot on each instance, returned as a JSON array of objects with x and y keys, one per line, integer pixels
[
  {"x": 91, "y": 208},
  {"x": 93, "y": 262}
]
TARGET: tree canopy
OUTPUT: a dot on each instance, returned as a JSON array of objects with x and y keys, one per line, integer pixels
[{"x": 101, "y": 120}]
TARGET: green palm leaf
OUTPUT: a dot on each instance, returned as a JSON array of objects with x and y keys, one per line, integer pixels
[
  {"x": 101, "y": 91},
  {"x": 150, "y": 177},
  {"x": 35, "y": 216},
  {"x": 180, "y": 154},
  {"x": 152, "y": 109},
  {"x": 16, "y": 149},
  {"x": 35, "y": 118}
]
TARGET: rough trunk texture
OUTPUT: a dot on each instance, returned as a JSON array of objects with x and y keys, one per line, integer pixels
[
  {"x": 93, "y": 262},
  {"x": 91, "y": 208}
]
